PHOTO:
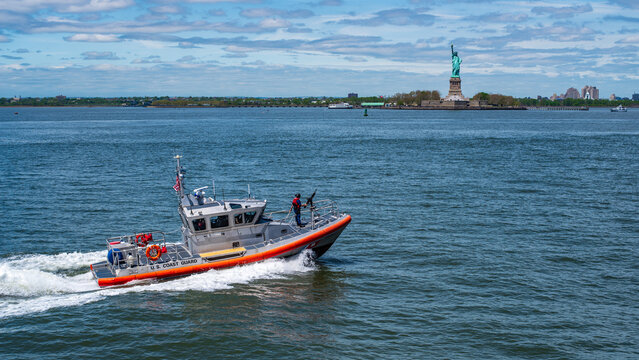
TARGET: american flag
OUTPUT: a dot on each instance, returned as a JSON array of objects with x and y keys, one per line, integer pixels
[{"x": 176, "y": 187}]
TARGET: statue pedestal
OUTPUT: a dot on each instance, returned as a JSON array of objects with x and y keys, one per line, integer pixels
[{"x": 454, "y": 92}]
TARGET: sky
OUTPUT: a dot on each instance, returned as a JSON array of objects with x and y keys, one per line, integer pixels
[{"x": 265, "y": 48}]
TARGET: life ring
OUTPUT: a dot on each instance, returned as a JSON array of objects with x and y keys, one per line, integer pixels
[
  {"x": 143, "y": 239},
  {"x": 155, "y": 249}
]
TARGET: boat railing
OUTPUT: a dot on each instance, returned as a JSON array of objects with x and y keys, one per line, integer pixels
[
  {"x": 126, "y": 242},
  {"x": 320, "y": 209}
]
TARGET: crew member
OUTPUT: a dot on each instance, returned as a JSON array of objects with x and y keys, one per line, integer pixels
[{"x": 297, "y": 207}]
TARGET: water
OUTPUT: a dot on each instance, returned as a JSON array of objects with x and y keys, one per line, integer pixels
[{"x": 482, "y": 234}]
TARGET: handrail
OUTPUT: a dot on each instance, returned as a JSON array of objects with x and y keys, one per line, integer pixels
[
  {"x": 319, "y": 209},
  {"x": 158, "y": 237}
]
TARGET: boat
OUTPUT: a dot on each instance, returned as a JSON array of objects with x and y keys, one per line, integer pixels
[
  {"x": 343, "y": 105},
  {"x": 217, "y": 234},
  {"x": 619, "y": 108}
]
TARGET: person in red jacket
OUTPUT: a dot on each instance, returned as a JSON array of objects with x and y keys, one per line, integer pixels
[{"x": 297, "y": 207}]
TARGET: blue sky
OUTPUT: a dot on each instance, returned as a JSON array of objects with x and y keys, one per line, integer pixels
[{"x": 315, "y": 48}]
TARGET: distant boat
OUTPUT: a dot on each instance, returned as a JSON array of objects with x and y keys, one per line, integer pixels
[
  {"x": 15, "y": 113},
  {"x": 343, "y": 105},
  {"x": 619, "y": 108}
]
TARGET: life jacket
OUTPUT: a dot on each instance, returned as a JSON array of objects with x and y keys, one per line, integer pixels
[{"x": 297, "y": 204}]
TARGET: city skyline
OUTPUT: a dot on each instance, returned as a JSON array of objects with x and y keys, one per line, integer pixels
[{"x": 330, "y": 47}]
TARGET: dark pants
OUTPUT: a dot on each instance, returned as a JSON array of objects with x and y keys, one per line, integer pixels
[{"x": 298, "y": 218}]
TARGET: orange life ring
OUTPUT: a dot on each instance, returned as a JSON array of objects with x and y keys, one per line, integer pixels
[
  {"x": 155, "y": 249},
  {"x": 143, "y": 239}
]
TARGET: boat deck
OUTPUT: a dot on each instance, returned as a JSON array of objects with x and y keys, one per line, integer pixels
[{"x": 174, "y": 252}]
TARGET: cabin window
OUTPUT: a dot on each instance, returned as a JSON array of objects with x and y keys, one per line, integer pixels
[
  {"x": 219, "y": 221},
  {"x": 238, "y": 219},
  {"x": 249, "y": 216},
  {"x": 236, "y": 206},
  {"x": 199, "y": 224}
]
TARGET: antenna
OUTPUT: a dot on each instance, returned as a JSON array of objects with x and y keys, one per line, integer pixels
[
  {"x": 249, "y": 190},
  {"x": 214, "y": 197},
  {"x": 223, "y": 201}
]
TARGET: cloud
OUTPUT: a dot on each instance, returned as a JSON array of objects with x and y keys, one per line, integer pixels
[
  {"x": 64, "y": 6},
  {"x": 152, "y": 59},
  {"x": 4, "y": 39},
  {"x": 187, "y": 45},
  {"x": 167, "y": 9},
  {"x": 11, "y": 57},
  {"x": 93, "y": 38},
  {"x": 266, "y": 25},
  {"x": 223, "y": 1},
  {"x": 562, "y": 12},
  {"x": 269, "y": 12},
  {"x": 21, "y": 51},
  {"x": 274, "y": 23},
  {"x": 330, "y": 3},
  {"x": 55, "y": 25},
  {"x": 254, "y": 63},
  {"x": 494, "y": 17},
  {"x": 355, "y": 59},
  {"x": 98, "y": 6},
  {"x": 626, "y": 4},
  {"x": 235, "y": 55},
  {"x": 397, "y": 17},
  {"x": 634, "y": 39},
  {"x": 217, "y": 12},
  {"x": 100, "y": 55},
  {"x": 186, "y": 59},
  {"x": 621, "y": 18},
  {"x": 297, "y": 30}
]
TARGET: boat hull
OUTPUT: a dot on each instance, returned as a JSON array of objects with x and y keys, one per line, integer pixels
[{"x": 318, "y": 241}]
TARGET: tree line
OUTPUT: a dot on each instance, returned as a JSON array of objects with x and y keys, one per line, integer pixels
[{"x": 412, "y": 98}]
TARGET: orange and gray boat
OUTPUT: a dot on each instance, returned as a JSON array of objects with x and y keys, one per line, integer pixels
[{"x": 218, "y": 234}]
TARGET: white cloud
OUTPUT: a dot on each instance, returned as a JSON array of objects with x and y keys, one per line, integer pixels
[
  {"x": 100, "y": 55},
  {"x": 93, "y": 38},
  {"x": 99, "y": 5},
  {"x": 633, "y": 39},
  {"x": 72, "y": 6},
  {"x": 167, "y": 9},
  {"x": 274, "y": 23}
]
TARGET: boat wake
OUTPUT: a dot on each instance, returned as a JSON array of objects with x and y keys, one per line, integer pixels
[{"x": 36, "y": 283}]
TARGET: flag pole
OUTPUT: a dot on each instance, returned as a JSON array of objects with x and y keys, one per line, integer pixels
[{"x": 178, "y": 176}]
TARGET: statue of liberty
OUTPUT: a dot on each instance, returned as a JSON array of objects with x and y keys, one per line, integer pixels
[{"x": 456, "y": 62}]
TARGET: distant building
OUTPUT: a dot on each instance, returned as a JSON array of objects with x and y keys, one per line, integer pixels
[
  {"x": 590, "y": 92},
  {"x": 60, "y": 97},
  {"x": 554, "y": 97},
  {"x": 635, "y": 97},
  {"x": 352, "y": 95},
  {"x": 571, "y": 93},
  {"x": 612, "y": 97}
]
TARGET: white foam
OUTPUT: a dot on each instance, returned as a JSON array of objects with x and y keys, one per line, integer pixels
[
  {"x": 55, "y": 262},
  {"x": 33, "y": 282},
  {"x": 29, "y": 285}
]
